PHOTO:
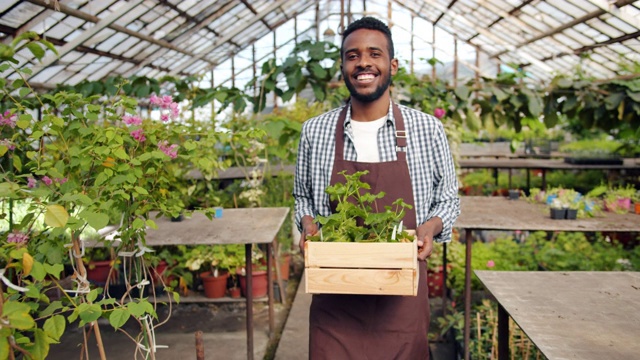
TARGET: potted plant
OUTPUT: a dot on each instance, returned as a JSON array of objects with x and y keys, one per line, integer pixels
[
  {"x": 618, "y": 199},
  {"x": 260, "y": 281},
  {"x": 558, "y": 210},
  {"x": 514, "y": 194},
  {"x": 212, "y": 260},
  {"x": 636, "y": 202}
]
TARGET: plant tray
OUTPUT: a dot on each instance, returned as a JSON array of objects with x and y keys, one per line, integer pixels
[
  {"x": 361, "y": 268},
  {"x": 593, "y": 161}
]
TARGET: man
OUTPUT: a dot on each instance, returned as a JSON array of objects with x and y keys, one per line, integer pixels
[{"x": 407, "y": 156}]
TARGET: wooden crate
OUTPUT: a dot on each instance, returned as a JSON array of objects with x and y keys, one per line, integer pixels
[{"x": 361, "y": 268}]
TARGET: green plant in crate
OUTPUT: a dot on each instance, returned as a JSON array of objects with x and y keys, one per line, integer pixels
[{"x": 355, "y": 204}]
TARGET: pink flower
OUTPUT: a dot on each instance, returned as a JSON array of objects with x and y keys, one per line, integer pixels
[
  {"x": 132, "y": 120},
  {"x": 490, "y": 264},
  {"x": 170, "y": 150},
  {"x": 138, "y": 135},
  {"x": 174, "y": 110},
  {"x": 31, "y": 183},
  {"x": 47, "y": 180},
  {"x": 61, "y": 180},
  {"x": 164, "y": 117},
  {"x": 154, "y": 100},
  {"x": 8, "y": 119},
  {"x": 17, "y": 237},
  {"x": 6, "y": 142},
  {"x": 439, "y": 113}
]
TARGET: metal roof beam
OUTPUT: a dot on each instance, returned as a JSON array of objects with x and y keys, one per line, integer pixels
[
  {"x": 94, "y": 19},
  {"x": 496, "y": 39},
  {"x": 568, "y": 25},
  {"x": 204, "y": 23},
  {"x": 86, "y": 35},
  {"x": 617, "y": 9},
  {"x": 229, "y": 36}
]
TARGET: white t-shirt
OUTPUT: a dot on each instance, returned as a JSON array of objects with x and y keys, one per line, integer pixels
[{"x": 365, "y": 139}]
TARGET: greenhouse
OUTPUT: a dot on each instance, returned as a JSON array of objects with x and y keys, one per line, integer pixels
[{"x": 322, "y": 179}]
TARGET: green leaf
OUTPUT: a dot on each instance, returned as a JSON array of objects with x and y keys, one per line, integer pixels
[
  {"x": 635, "y": 96},
  {"x": 141, "y": 190},
  {"x": 120, "y": 153},
  {"x": 136, "y": 308},
  {"x": 89, "y": 313},
  {"x": 54, "y": 327},
  {"x": 5, "y": 348},
  {"x": 17, "y": 314},
  {"x": 119, "y": 317},
  {"x": 138, "y": 223},
  {"x": 94, "y": 219},
  {"x": 3, "y": 150},
  {"x": 39, "y": 349},
  {"x": 24, "y": 92},
  {"x": 57, "y": 121},
  {"x": 53, "y": 307},
  {"x": 54, "y": 269},
  {"x": 36, "y": 50},
  {"x": 38, "y": 271},
  {"x": 462, "y": 92},
  {"x": 17, "y": 163},
  {"x": 152, "y": 224},
  {"x": 56, "y": 216},
  {"x": 92, "y": 295}
]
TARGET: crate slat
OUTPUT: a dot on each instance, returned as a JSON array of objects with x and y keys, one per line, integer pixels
[
  {"x": 361, "y": 255},
  {"x": 361, "y": 268},
  {"x": 361, "y": 281}
]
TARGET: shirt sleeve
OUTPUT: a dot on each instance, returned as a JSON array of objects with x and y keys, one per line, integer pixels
[
  {"x": 302, "y": 183},
  {"x": 446, "y": 202}
]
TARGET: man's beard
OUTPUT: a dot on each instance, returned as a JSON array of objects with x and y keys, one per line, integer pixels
[{"x": 371, "y": 97}]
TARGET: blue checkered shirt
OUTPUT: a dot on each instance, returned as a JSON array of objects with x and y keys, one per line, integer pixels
[{"x": 433, "y": 176}]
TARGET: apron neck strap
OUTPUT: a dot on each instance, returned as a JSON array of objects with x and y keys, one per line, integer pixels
[{"x": 401, "y": 133}]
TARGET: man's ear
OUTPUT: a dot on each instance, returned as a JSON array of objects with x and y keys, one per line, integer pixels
[{"x": 394, "y": 66}]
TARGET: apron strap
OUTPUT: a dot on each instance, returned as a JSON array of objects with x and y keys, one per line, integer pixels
[{"x": 401, "y": 133}]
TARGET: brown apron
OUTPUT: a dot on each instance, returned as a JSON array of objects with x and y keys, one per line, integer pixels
[{"x": 372, "y": 327}]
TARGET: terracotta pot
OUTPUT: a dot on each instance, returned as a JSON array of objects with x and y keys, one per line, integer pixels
[
  {"x": 285, "y": 262},
  {"x": 157, "y": 272},
  {"x": 637, "y": 208},
  {"x": 259, "y": 286},
  {"x": 235, "y": 292},
  {"x": 98, "y": 271},
  {"x": 435, "y": 281},
  {"x": 214, "y": 286}
]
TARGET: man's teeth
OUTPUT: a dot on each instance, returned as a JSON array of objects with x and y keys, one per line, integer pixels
[{"x": 365, "y": 77}]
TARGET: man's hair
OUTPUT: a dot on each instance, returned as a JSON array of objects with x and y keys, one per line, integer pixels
[{"x": 370, "y": 23}]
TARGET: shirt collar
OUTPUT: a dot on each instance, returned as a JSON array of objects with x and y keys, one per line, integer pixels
[{"x": 390, "y": 118}]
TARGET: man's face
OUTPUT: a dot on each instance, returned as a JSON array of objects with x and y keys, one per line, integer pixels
[{"x": 367, "y": 66}]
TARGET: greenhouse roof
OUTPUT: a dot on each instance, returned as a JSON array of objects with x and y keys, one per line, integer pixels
[{"x": 153, "y": 38}]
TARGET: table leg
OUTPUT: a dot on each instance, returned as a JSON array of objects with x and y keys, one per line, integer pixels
[
  {"x": 467, "y": 293},
  {"x": 444, "y": 280},
  {"x": 503, "y": 333},
  {"x": 249, "y": 281},
  {"x": 272, "y": 325},
  {"x": 544, "y": 179}
]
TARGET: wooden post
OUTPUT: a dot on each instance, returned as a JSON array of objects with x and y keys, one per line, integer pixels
[{"x": 199, "y": 346}]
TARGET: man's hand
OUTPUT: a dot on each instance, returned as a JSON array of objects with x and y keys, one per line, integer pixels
[
  {"x": 309, "y": 227},
  {"x": 425, "y": 234}
]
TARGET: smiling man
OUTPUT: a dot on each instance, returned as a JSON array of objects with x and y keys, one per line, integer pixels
[{"x": 407, "y": 156}]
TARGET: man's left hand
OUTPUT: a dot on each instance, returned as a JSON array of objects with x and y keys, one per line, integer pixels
[{"x": 425, "y": 247}]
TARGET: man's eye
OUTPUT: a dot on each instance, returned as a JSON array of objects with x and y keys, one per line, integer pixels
[{"x": 352, "y": 56}]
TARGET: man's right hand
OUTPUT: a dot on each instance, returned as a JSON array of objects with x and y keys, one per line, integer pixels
[{"x": 309, "y": 227}]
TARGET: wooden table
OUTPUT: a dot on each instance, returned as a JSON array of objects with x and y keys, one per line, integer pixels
[
  {"x": 543, "y": 165},
  {"x": 569, "y": 315},
  {"x": 236, "y": 226},
  {"x": 499, "y": 213}
]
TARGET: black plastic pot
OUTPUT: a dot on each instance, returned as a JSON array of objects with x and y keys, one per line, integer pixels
[
  {"x": 514, "y": 194},
  {"x": 558, "y": 214},
  {"x": 572, "y": 214}
]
